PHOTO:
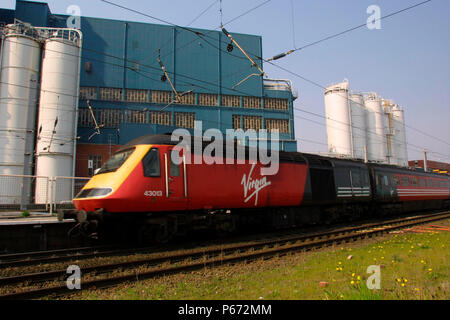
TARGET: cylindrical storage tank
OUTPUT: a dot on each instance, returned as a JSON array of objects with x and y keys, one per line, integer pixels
[
  {"x": 392, "y": 136},
  {"x": 400, "y": 136},
  {"x": 358, "y": 112},
  {"x": 20, "y": 63},
  {"x": 338, "y": 119},
  {"x": 388, "y": 129},
  {"x": 58, "y": 116},
  {"x": 376, "y": 134}
]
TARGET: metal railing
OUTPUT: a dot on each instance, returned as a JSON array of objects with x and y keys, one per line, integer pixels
[{"x": 19, "y": 192}]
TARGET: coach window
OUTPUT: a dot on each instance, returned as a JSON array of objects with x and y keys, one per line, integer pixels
[
  {"x": 356, "y": 178},
  {"x": 414, "y": 181},
  {"x": 422, "y": 182},
  {"x": 366, "y": 179},
  {"x": 405, "y": 181},
  {"x": 396, "y": 180},
  {"x": 151, "y": 163}
]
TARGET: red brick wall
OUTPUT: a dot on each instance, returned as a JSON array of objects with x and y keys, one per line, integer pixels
[
  {"x": 86, "y": 150},
  {"x": 431, "y": 165}
]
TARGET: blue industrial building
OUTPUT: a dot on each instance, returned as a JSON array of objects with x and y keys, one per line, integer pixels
[{"x": 125, "y": 84}]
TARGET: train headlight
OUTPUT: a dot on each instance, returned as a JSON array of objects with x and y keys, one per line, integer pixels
[{"x": 94, "y": 193}]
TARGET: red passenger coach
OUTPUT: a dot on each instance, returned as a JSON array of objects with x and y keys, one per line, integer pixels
[{"x": 413, "y": 187}]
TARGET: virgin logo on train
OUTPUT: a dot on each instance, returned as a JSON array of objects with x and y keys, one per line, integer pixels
[{"x": 251, "y": 184}]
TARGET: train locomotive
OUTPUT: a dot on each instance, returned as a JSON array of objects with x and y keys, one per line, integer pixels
[{"x": 142, "y": 191}]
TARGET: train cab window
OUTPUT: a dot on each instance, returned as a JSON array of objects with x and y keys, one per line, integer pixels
[
  {"x": 174, "y": 168},
  {"x": 116, "y": 161},
  {"x": 152, "y": 164}
]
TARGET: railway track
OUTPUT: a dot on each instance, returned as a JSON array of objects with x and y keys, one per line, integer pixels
[
  {"x": 206, "y": 257},
  {"x": 38, "y": 257},
  {"x": 85, "y": 253}
]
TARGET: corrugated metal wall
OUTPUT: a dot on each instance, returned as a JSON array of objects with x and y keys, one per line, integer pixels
[{"x": 120, "y": 74}]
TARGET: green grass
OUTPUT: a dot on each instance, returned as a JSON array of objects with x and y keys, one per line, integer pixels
[
  {"x": 26, "y": 214},
  {"x": 413, "y": 266}
]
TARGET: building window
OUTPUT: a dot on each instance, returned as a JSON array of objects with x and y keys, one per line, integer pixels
[
  {"x": 252, "y": 102},
  {"x": 184, "y": 119},
  {"x": 134, "y": 95},
  {"x": 252, "y": 122},
  {"x": 111, "y": 94},
  {"x": 161, "y": 96},
  {"x": 135, "y": 116},
  {"x": 188, "y": 98},
  {"x": 276, "y": 104},
  {"x": 231, "y": 101},
  {"x": 88, "y": 93},
  {"x": 110, "y": 118},
  {"x": 160, "y": 117},
  {"x": 281, "y": 125},
  {"x": 237, "y": 122},
  {"x": 85, "y": 118},
  {"x": 205, "y": 99},
  {"x": 94, "y": 163}
]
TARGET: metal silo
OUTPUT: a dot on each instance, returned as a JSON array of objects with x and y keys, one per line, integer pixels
[
  {"x": 400, "y": 136},
  {"x": 338, "y": 119},
  {"x": 389, "y": 130},
  {"x": 58, "y": 111},
  {"x": 376, "y": 134},
  {"x": 358, "y": 112},
  {"x": 20, "y": 63}
]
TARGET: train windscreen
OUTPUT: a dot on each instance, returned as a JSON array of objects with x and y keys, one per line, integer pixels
[{"x": 116, "y": 161}]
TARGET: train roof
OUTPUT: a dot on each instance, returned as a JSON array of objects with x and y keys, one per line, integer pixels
[{"x": 313, "y": 160}]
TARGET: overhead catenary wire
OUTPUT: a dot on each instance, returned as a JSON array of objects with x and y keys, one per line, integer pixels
[
  {"x": 282, "y": 55},
  {"x": 368, "y": 132},
  {"x": 245, "y": 94},
  {"x": 204, "y": 11},
  {"x": 305, "y": 78}
]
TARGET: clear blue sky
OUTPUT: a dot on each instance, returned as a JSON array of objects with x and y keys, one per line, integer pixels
[{"x": 408, "y": 60}]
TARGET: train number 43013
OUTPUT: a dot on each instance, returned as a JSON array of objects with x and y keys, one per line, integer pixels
[{"x": 150, "y": 193}]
